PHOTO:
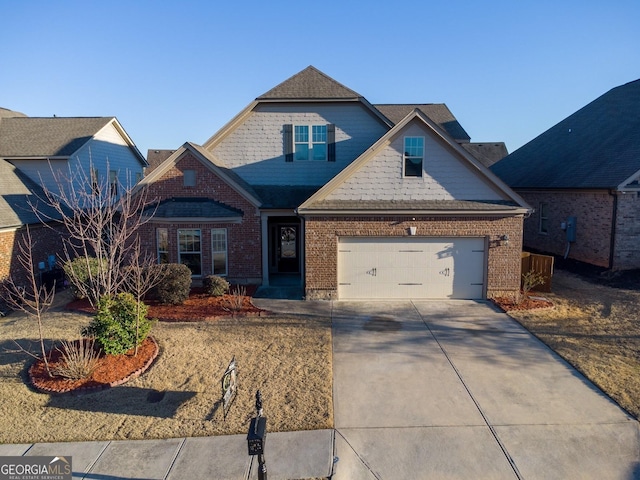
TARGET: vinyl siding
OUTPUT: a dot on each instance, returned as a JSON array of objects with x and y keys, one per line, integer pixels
[
  {"x": 446, "y": 176},
  {"x": 255, "y": 150}
]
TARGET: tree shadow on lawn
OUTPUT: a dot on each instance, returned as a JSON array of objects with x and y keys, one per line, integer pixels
[{"x": 123, "y": 400}]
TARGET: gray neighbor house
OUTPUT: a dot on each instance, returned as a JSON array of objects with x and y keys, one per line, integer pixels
[{"x": 582, "y": 178}]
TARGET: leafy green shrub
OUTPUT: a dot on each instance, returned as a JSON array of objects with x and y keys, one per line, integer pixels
[
  {"x": 80, "y": 273},
  {"x": 175, "y": 285},
  {"x": 215, "y": 286},
  {"x": 120, "y": 324}
]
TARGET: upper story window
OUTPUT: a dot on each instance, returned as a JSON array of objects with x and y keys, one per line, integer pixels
[
  {"x": 113, "y": 182},
  {"x": 309, "y": 142},
  {"x": 544, "y": 218},
  {"x": 413, "y": 156},
  {"x": 189, "y": 177}
]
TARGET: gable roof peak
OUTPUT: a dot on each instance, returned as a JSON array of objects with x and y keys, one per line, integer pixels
[{"x": 310, "y": 84}]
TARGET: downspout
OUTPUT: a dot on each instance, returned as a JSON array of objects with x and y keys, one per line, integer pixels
[{"x": 614, "y": 221}]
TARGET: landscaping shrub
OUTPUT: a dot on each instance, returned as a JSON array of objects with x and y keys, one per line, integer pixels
[
  {"x": 215, "y": 286},
  {"x": 79, "y": 359},
  {"x": 77, "y": 271},
  {"x": 176, "y": 284},
  {"x": 119, "y": 322}
]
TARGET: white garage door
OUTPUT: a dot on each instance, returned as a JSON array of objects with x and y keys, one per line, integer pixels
[{"x": 379, "y": 268}]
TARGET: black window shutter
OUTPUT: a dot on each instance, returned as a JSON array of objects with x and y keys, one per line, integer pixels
[
  {"x": 331, "y": 142},
  {"x": 287, "y": 139}
]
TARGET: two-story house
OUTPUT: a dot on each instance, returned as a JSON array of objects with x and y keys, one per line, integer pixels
[
  {"x": 352, "y": 200},
  {"x": 38, "y": 154}
]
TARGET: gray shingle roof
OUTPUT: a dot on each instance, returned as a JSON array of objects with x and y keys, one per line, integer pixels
[
  {"x": 596, "y": 147},
  {"x": 487, "y": 153},
  {"x": 284, "y": 196},
  {"x": 6, "y": 113},
  {"x": 47, "y": 137},
  {"x": 437, "y": 112},
  {"x": 155, "y": 158},
  {"x": 310, "y": 84},
  {"x": 17, "y": 192},
  {"x": 193, "y": 208}
]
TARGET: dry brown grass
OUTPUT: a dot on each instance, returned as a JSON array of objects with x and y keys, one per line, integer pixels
[
  {"x": 596, "y": 329},
  {"x": 288, "y": 358}
]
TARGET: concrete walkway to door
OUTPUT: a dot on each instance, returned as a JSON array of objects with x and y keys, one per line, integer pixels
[{"x": 456, "y": 389}]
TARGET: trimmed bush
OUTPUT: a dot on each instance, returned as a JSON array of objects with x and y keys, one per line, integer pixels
[
  {"x": 120, "y": 324},
  {"x": 77, "y": 271},
  {"x": 215, "y": 286},
  {"x": 175, "y": 285}
]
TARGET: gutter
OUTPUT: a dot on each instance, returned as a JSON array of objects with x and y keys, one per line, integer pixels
[{"x": 386, "y": 213}]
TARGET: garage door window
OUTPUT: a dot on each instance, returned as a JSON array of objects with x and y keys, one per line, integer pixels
[{"x": 413, "y": 156}]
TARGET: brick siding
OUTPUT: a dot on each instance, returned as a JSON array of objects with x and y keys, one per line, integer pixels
[
  {"x": 594, "y": 213},
  {"x": 46, "y": 241},
  {"x": 244, "y": 246},
  {"x": 322, "y": 233}
]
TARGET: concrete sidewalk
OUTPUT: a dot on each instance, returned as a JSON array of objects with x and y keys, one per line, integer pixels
[
  {"x": 459, "y": 390},
  {"x": 289, "y": 455}
]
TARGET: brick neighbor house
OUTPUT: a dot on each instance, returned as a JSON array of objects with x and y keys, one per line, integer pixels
[
  {"x": 582, "y": 176},
  {"x": 312, "y": 183}
]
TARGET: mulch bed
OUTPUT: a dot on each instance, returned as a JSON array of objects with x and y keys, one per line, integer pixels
[
  {"x": 112, "y": 370},
  {"x": 197, "y": 308},
  {"x": 529, "y": 303}
]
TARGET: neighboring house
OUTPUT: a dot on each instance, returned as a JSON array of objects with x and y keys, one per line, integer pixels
[
  {"x": 96, "y": 147},
  {"x": 31, "y": 149},
  {"x": 582, "y": 177},
  {"x": 19, "y": 195},
  {"x": 314, "y": 184}
]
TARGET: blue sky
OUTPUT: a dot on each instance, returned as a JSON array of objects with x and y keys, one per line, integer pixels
[{"x": 178, "y": 71}]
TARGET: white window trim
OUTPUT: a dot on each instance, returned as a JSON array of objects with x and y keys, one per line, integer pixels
[
  {"x": 404, "y": 157},
  {"x": 310, "y": 143},
  {"x": 226, "y": 251},
  {"x": 190, "y": 253}
]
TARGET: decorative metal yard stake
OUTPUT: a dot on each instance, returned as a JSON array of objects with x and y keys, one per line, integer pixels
[{"x": 257, "y": 436}]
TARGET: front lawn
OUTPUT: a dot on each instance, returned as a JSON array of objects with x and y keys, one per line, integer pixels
[{"x": 288, "y": 358}]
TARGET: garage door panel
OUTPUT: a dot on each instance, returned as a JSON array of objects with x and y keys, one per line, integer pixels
[{"x": 411, "y": 268}]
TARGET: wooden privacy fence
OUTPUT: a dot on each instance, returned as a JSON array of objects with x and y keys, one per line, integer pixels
[{"x": 543, "y": 264}]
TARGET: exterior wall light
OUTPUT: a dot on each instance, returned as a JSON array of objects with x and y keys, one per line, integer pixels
[
  {"x": 504, "y": 240},
  {"x": 412, "y": 230}
]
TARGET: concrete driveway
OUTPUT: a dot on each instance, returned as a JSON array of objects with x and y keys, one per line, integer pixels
[{"x": 433, "y": 389}]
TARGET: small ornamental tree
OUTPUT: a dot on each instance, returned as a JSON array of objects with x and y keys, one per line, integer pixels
[
  {"x": 102, "y": 220},
  {"x": 120, "y": 324},
  {"x": 31, "y": 298}
]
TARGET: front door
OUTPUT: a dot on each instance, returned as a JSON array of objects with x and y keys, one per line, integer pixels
[{"x": 287, "y": 250}]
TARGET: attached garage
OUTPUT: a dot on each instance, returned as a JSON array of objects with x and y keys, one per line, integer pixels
[{"x": 411, "y": 267}]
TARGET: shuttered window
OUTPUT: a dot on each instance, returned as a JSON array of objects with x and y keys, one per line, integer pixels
[{"x": 309, "y": 142}]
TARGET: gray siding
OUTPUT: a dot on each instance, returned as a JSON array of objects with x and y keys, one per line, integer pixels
[
  {"x": 255, "y": 151},
  {"x": 445, "y": 177}
]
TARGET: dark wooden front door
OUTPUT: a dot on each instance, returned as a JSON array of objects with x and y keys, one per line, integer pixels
[{"x": 287, "y": 251}]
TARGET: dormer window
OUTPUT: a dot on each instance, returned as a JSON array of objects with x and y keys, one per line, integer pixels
[
  {"x": 413, "y": 156},
  {"x": 309, "y": 143}
]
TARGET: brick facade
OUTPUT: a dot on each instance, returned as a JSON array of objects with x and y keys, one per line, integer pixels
[
  {"x": 594, "y": 211},
  {"x": 45, "y": 242},
  {"x": 243, "y": 239},
  {"x": 322, "y": 233}
]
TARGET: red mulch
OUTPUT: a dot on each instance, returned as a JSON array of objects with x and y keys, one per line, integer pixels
[
  {"x": 528, "y": 303},
  {"x": 196, "y": 308},
  {"x": 112, "y": 370}
]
